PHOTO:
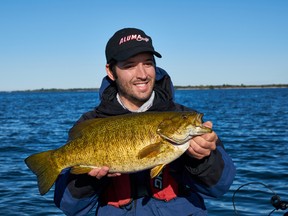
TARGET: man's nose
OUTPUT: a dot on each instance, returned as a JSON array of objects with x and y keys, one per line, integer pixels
[{"x": 141, "y": 71}]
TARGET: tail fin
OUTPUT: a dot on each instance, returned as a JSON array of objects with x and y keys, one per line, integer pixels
[{"x": 45, "y": 170}]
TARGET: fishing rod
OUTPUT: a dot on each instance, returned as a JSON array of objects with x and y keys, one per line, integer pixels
[{"x": 275, "y": 200}]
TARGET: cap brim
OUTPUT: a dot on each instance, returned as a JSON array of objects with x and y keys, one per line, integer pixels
[{"x": 136, "y": 50}]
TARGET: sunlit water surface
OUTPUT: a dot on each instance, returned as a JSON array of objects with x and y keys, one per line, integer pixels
[{"x": 252, "y": 124}]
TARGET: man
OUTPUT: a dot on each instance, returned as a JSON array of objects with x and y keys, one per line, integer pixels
[{"x": 134, "y": 84}]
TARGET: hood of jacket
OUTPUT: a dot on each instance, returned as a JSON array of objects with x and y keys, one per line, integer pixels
[{"x": 109, "y": 106}]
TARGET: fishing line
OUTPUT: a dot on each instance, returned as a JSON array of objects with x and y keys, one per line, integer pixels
[{"x": 275, "y": 199}]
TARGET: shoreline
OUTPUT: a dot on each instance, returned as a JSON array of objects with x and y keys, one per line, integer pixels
[
  {"x": 226, "y": 86},
  {"x": 176, "y": 87}
]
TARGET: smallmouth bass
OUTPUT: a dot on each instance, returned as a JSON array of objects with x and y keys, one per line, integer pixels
[{"x": 125, "y": 143}]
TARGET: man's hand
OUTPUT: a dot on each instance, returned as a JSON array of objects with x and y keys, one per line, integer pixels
[
  {"x": 101, "y": 172},
  {"x": 201, "y": 146}
]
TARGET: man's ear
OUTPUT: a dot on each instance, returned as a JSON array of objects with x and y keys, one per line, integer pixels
[{"x": 109, "y": 73}]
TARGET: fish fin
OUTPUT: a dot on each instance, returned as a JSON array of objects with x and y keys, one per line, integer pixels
[
  {"x": 80, "y": 128},
  {"x": 81, "y": 169},
  {"x": 156, "y": 170},
  {"x": 150, "y": 151},
  {"x": 44, "y": 168}
]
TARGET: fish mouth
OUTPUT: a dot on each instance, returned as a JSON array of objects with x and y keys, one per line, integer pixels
[
  {"x": 201, "y": 130},
  {"x": 191, "y": 132}
]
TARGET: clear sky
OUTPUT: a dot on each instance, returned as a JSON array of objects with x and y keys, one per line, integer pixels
[{"x": 61, "y": 43}]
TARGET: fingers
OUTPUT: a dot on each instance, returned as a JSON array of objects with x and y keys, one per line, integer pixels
[
  {"x": 101, "y": 172},
  {"x": 201, "y": 146},
  {"x": 208, "y": 124},
  {"x": 209, "y": 137},
  {"x": 114, "y": 174}
]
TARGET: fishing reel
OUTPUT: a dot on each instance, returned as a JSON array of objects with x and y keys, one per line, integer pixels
[
  {"x": 279, "y": 204},
  {"x": 275, "y": 200}
]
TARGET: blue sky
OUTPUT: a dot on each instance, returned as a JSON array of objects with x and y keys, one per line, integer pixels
[{"x": 61, "y": 43}]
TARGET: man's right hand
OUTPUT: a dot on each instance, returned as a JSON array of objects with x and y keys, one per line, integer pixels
[{"x": 101, "y": 172}]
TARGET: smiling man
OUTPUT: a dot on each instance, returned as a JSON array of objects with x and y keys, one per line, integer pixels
[
  {"x": 134, "y": 84},
  {"x": 134, "y": 79},
  {"x": 131, "y": 64}
]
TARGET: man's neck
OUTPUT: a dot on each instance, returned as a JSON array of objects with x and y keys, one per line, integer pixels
[{"x": 144, "y": 107}]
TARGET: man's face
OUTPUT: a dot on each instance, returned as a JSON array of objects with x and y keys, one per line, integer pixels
[{"x": 135, "y": 78}]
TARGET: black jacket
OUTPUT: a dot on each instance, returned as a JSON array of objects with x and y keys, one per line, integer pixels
[{"x": 207, "y": 176}]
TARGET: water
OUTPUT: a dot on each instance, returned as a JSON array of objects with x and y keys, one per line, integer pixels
[{"x": 252, "y": 123}]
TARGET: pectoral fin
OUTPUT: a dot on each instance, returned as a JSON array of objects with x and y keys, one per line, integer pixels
[
  {"x": 150, "y": 151},
  {"x": 156, "y": 170}
]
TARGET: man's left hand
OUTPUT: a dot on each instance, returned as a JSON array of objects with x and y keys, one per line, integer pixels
[{"x": 201, "y": 146}]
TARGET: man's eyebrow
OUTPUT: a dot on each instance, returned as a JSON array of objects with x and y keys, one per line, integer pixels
[{"x": 124, "y": 63}]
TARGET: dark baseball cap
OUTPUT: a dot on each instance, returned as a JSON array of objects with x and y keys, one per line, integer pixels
[{"x": 128, "y": 42}]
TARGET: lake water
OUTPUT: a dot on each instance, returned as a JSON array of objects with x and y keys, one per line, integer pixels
[{"x": 252, "y": 123}]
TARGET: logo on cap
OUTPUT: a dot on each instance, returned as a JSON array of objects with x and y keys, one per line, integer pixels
[{"x": 133, "y": 37}]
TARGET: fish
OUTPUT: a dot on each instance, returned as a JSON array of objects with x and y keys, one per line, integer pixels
[{"x": 125, "y": 143}]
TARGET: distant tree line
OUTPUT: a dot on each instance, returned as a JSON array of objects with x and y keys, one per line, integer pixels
[
  {"x": 228, "y": 86},
  {"x": 224, "y": 86}
]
